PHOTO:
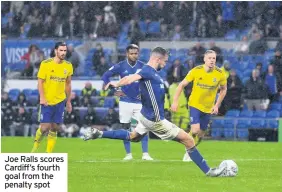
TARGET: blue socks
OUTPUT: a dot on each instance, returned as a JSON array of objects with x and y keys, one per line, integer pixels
[
  {"x": 125, "y": 136},
  {"x": 117, "y": 134},
  {"x": 127, "y": 146},
  {"x": 144, "y": 142},
  {"x": 198, "y": 159}
]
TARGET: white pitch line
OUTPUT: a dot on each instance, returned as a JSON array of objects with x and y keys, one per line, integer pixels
[{"x": 162, "y": 161}]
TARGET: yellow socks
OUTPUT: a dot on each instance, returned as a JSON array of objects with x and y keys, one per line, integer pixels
[
  {"x": 51, "y": 141},
  {"x": 37, "y": 140}
]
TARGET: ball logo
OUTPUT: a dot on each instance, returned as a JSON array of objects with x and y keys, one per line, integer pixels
[
  {"x": 41, "y": 116},
  {"x": 191, "y": 119}
]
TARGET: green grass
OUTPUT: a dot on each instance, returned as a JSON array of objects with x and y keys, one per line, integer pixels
[{"x": 260, "y": 166}]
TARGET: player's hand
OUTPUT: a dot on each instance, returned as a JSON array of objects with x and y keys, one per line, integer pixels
[
  {"x": 43, "y": 101},
  {"x": 119, "y": 93},
  {"x": 69, "y": 107},
  {"x": 214, "y": 110},
  {"x": 110, "y": 84},
  {"x": 174, "y": 106}
]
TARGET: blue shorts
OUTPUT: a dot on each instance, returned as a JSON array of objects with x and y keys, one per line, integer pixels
[
  {"x": 197, "y": 116},
  {"x": 52, "y": 113}
]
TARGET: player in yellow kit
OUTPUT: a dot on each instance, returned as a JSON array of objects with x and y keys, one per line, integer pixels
[
  {"x": 54, "y": 86},
  {"x": 207, "y": 79}
]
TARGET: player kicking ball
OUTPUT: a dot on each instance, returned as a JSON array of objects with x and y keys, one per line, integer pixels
[
  {"x": 152, "y": 113},
  {"x": 207, "y": 79}
]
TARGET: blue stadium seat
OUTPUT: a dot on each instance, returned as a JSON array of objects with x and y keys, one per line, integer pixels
[
  {"x": 275, "y": 106},
  {"x": 145, "y": 54},
  {"x": 243, "y": 124},
  {"x": 101, "y": 112},
  {"x": 173, "y": 52},
  {"x": 273, "y": 114},
  {"x": 228, "y": 133},
  {"x": 229, "y": 124},
  {"x": 32, "y": 100},
  {"x": 216, "y": 132},
  {"x": 246, "y": 113},
  {"x": 95, "y": 100},
  {"x": 242, "y": 133},
  {"x": 77, "y": 92},
  {"x": 154, "y": 27},
  {"x": 259, "y": 114},
  {"x": 243, "y": 65},
  {"x": 272, "y": 124},
  {"x": 15, "y": 92},
  {"x": 258, "y": 124},
  {"x": 182, "y": 52},
  {"x": 82, "y": 112},
  {"x": 245, "y": 79},
  {"x": 232, "y": 113},
  {"x": 35, "y": 92},
  {"x": 27, "y": 92},
  {"x": 217, "y": 123},
  {"x": 109, "y": 102},
  {"x": 143, "y": 26},
  {"x": 247, "y": 73}
]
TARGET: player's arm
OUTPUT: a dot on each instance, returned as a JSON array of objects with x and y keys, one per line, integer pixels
[
  {"x": 41, "y": 79},
  {"x": 222, "y": 93},
  {"x": 68, "y": 91},
  {"x": 68, "y": 88},
  {"x": 111, "y": 72},
  {"x": 125, "y": 81},
  {"x": 189, "y": 77}
]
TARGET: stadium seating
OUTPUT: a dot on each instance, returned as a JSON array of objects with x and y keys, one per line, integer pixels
[
  {"x": 101, "y": 112},
  {"x": 27, "y": 92},
  {"x": 272, "y": 124},
  {"x": 273, "y": 114},
  {"x": 154, "y": 27},
  {"x": 242, "y": 133},
  {"x": 275, "y": 106},
  {"x": 229, "y": 124},
  {"x": 243, "y": 124},
  {"x": 109, "y": 102},
  {"x": 259, "y": 114},
  {"x": 258, "y": 124},
  {"x": 246, "y": 114},
  {"x": 232, "y": 113}
]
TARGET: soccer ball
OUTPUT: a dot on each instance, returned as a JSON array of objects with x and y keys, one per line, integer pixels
[{"x": 231, "y": 168}]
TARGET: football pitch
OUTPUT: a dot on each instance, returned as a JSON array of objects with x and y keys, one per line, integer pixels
[{"x": 96, "y": 166}]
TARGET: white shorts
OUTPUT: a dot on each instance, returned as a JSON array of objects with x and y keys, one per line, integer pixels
[
  {"x": 128, "y": 111},
  {"x": 163, "y": 129}
]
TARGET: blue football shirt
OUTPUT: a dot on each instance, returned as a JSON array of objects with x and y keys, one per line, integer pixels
[
  {"x": 123, "y": 69},
  {"x": 152, "y": 90}
]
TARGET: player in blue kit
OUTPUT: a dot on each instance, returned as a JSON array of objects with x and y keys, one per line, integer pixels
[
  {"x": 152, "y": 113},
  {"x": 130, "y": 103}
]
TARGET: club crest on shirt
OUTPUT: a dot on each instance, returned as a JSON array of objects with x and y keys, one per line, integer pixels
[
  {"x": 214, "y": 80},
  {"x": 65, "y": 71}
]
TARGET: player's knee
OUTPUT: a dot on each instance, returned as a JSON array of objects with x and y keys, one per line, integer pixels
[
  {"x": 45, "y": 127},
  {"x": 136, "y": 137}
]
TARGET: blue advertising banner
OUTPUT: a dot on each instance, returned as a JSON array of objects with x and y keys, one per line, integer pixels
[{"x": 15, "y": 49}]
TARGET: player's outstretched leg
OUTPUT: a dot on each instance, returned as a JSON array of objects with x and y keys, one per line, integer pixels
[
  {"x": 195, "y": 155},
  {"x": 41, "y": 131},
  {"x": 145, "y": 143},
  {"x": 115, "y": 134}
]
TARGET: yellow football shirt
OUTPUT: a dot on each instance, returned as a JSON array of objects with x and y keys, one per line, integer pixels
[
  {"x": 55, "y": 76},
  {"x": 205, "y": 87}
]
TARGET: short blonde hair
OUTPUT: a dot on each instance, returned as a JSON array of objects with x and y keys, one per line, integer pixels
[{"x": 210, "y": 51}]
